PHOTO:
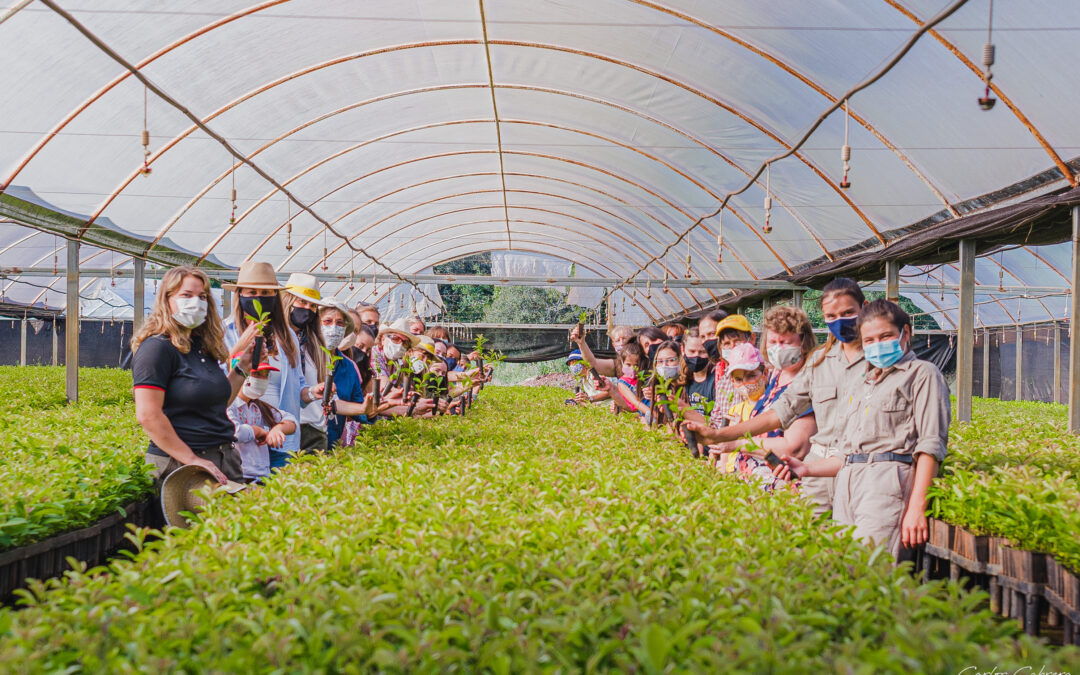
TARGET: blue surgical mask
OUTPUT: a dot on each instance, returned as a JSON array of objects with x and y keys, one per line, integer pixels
[
  {"x": 451, "y": 363},
  {"x": 844, "y": 329},
  {"x": 883, "y": 354},
  {"x": 576, "y": 368}
]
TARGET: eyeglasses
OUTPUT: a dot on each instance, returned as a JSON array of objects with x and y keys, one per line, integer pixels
[
  {"x": 396, "y": 339},
  {"x": 667, "y": 362}
]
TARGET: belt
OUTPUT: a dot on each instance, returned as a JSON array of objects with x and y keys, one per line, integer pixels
[
  {"x": 157, "y": 452},
  {"x": 866, "y": 458}
]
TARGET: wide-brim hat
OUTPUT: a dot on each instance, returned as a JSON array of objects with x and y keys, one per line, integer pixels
[
  {"x": 334, "y": 303},
  {"x": 254, "y": 274},
  {"x": 180, "y": 492},
  {"x": 427, "y": 344},
  {"x": 401, "y": 327},
  {"x": 305, "y": 287}
]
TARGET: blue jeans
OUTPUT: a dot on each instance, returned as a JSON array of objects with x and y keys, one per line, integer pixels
[{"x": 278, "y": 459}]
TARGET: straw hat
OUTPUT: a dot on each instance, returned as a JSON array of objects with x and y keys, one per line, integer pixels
[
  {"x": 427, "y": 344},
  {"x": 400, "y": 327},
  {"x": 255, "y": 275},
  {"x": 179, "y": 492},
  {"x": 334, "y": 303},
  {"x": 305, "y": 287}
]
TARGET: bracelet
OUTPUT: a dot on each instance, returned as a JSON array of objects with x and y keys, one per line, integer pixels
[{"x": 236, "y": 369}]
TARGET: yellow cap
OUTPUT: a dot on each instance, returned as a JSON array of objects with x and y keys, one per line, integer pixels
[{"x": 735, "y": 321}]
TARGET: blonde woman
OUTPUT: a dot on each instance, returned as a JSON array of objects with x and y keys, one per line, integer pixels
[{"x": 181, "y": 392}]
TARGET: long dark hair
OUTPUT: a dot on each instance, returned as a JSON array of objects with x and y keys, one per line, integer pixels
[
  {"x": 888, "y": 310},
  {"x": 838, "y": 286},
  {"x": 267, "y": 412},
  {"x": 310, "y": 336}
]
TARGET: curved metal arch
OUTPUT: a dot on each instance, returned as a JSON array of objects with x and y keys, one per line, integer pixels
[
  {"x": 377, "y": 99},
  {"x": 633, "y": 226},
  {"x": 941, "y": 311},
  {"x": 1066, "y": 172},
  {"x": 735, "y": 212},
  {"x": 407, "y": 245},
  {"x": 367, "y": 142},
  {"x": 321, "y": 162},
  {"x": 553, "y": 212},
  {"x": 809, "y": 82},
  {"x": 541, "y": 245},
  {"x": 516, "y": 174},
  {"x": 40, "y": 145},
  {"x": 437, "y": 43},
  {"x": 618, "y": 236},
  {"x": 1017, "y": 279}
]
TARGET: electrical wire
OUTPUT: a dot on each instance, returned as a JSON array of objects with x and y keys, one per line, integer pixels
[
  {"x": 839, "y": 102},
  {"x": 111, "y": 53}
]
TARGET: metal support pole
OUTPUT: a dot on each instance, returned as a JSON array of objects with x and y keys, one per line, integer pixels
[
  {"x": 71, "y": 342},
  {"x": 1019, "y": 363},
  {"x": 140, "y": 295},
  {"x": 986, "y": 363},
  {"x": 22, "y": 342},
  {"x": 965, "y": 332},
  {"x": 892, "y": 280},
  {"x": 1074, "y": 339},
  {"x": 1057, "y": 363}
]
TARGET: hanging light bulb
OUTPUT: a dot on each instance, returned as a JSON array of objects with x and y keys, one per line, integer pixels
[
  {"x": 112, "y": 270},
  {"x": 720, "y": 237},
  {"x": 56, "y": 255},
  {"x": 688, "y": 265},
  {"x": 145, "y": 170},
  {"x": 352, "y": 273},
  {"x": 845, "y": 152},
  {"x": 374, "y": 284},
  {"x": 987, "y": 102},
  {"x": 648, "y": 288},
  {"x": 767, "y": 228}
]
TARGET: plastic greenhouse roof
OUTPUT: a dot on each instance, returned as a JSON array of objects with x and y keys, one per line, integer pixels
[{"x": 595, "y": 132}]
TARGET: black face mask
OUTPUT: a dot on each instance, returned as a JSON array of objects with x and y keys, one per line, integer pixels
[
  {"x": 652, "y": 351},
  {"x": 712, "y": 350},
  {"x": 267, "y": 302},
  {"x": 301, "y": 316},
  {"x": 696, "y": 364}
]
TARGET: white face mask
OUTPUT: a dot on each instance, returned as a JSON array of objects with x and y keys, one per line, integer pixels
[
  {"x": 332, "y": 335},
  {"x": 255, "y": 387},
  {"x": 667, "y": 372},
  {"x": 190, "y": 312},
  {"x": 726, "y": 354},
  {"x": 418, "y": 366},
  {"x": 393, "y": 350},
  {"x": 784, "y": 356}
]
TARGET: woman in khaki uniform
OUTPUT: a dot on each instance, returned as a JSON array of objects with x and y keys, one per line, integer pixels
[
  {"x": 825, "y": 384},
  {"x": 895, "y": 438}
]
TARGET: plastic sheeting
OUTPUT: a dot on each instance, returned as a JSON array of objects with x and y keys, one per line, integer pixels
[{"x": 591, "y": 131}]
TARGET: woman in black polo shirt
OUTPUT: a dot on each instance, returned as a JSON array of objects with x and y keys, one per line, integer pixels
[{"x": 181, "y": 392}]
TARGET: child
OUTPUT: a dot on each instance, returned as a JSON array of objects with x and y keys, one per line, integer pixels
[
  {"x": 631, "y": 359},
  {"x": 747, "y": 371},
  {"x": 259, "y": 425}
]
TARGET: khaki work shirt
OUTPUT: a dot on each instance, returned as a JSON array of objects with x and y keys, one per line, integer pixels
[
  {"x": 906, "y": 411},
  {"x": 828, "y": 388}
]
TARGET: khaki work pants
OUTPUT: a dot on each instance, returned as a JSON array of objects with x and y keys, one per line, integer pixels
[
  {"x": 872, "y": 497},
  {"x": 818, "y": 490}
]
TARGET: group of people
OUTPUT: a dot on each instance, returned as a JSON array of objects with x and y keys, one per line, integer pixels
[
  {"x": 287, "y": 372},
  {"x": 859, "y": 425}
]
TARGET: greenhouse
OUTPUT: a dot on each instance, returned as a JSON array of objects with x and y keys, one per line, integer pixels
[{"x": 504, "y": 336}]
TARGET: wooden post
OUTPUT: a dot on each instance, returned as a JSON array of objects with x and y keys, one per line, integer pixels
[
  {"x": 71, "y": 342},
  {"x": 797, "y": 299},
  {"x": 986, "y": 363},
  {"x": 892, "y": 279},
  {"x": 22, "y": 341},
  {"x": 1057, "y": 363},
  {"x": 965, "y": 334},
  {"x": 1074, "y": 342},
  {"x": 140, "y": 295},
  {"x": 1019, "y": 362}
]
